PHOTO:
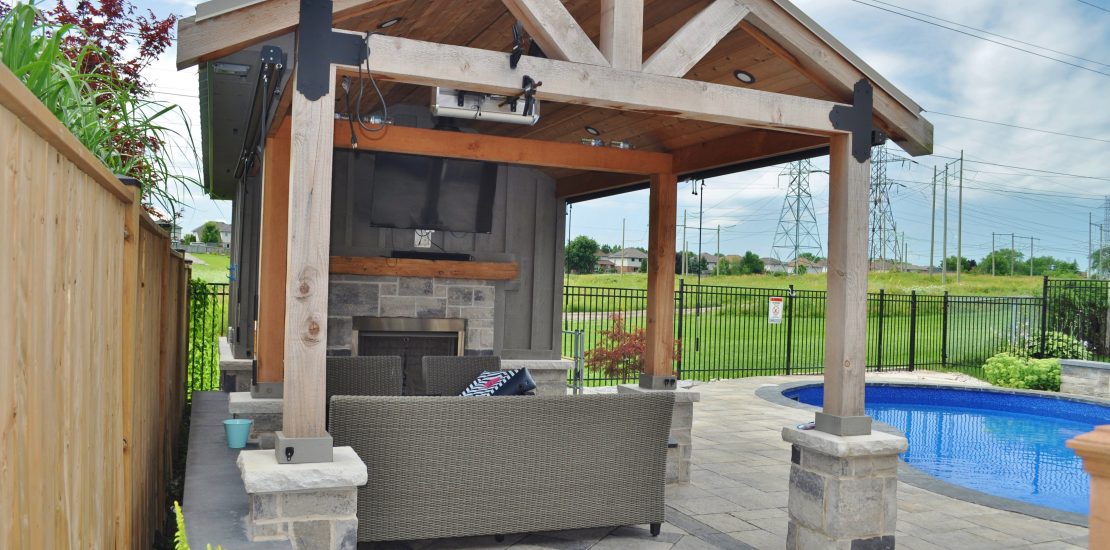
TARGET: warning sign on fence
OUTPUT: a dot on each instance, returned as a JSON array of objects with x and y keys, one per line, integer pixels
[{"x": 774, "y": 310}]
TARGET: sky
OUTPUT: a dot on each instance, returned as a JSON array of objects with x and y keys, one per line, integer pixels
[{"x": 1020, "y": 182}]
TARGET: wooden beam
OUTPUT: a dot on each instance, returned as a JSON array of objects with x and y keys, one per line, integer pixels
[
  {"x": 561, "y": 37},
  {"x": 306, "y": 302},
  {"x": 269, "y": 342},
  {"x": 215, "y": 37},
  {"x": 828, "y": 61},
  {"x": 410, "y": 267},
  {"x": 622, "y": 33},
  {"x": 734, "y": 149},
  {"x": 846, "y": 312},
  {"x": 659, "y": 336},
  {"x": 530, "y": 152},
  {"x": 431, "y": 64},
  {"x": 686, "y": 47}
]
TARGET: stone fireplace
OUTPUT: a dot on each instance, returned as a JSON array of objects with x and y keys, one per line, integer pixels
[{"x": 411, "y": 339}]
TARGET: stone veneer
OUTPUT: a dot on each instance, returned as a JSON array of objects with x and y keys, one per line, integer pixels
[
  {"x": 682, "y": 422},
  {"x": 1091, "y": 378},
  {"x": 352, "y": 296},
  {"x": 235, "y": 374}
]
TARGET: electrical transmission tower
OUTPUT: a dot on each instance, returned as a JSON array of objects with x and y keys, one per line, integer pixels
[
  {"x": 797, "y": 229},
  {"x": 883, "y": 234}
]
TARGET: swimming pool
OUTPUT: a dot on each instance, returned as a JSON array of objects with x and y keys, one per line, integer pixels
[{"x": 1005, "y": 444}]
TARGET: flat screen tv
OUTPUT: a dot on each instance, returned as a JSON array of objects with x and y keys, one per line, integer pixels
[{"x": 418, "y": 192}]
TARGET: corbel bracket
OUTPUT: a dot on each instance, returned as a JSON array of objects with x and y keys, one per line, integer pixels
[
  {"x": 318, "y": 46},
  {"x": 857, "y": 120}
]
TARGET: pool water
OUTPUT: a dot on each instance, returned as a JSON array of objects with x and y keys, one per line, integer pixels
[{"x": 1002, "y": 444}]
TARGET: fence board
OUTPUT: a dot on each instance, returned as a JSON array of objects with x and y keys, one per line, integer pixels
[{"x": 65, "y": 478}]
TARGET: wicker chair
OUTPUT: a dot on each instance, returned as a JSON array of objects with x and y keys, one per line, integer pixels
[
  {"x": 451, "y": 375},
  {"x": 464, "y": 466},
  {"x": 363, "y": 375}
]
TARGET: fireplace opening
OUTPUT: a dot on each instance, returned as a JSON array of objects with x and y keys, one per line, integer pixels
[{"x": 411, "y": 339}]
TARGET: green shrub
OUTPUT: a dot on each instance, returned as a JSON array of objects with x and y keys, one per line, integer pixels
[
  {"x": 1015, "y": 371},
  {"x": 1057, "y": 344}
]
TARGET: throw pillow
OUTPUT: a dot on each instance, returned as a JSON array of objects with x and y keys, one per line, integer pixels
[{"x": 505, "y": 382}]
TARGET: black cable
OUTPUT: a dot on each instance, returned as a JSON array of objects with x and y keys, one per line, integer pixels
[
  {"x": 361, "y": 87},
  {"x": 1095, "y": 6},
  {"x": 1050, "y": 58}
]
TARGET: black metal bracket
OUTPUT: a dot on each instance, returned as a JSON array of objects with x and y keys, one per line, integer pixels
[
  {"x": 857, "y": 120},
  {"x": 318, "y": 46}
]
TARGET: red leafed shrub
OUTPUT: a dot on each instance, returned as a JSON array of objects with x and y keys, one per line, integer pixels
[{"x": 621, "y": 352}]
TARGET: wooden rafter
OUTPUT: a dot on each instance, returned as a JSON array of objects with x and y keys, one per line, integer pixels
[
  {"x": 437, "y": 143},
  {"x": 622, "y": 33},
  {"x": 686, "y": 47},
  {"x": 738, "y": 148},
  {"x": 430, "y": 64},
  {"x": 561, "y": 37},
  {"x": 215, "y": 37}
]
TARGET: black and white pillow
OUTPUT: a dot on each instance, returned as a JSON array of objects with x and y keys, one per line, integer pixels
[{"x": 503, "y": 382}]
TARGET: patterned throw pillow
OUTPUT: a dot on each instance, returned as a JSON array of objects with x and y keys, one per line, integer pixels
[{"x": 504, "y": 382}]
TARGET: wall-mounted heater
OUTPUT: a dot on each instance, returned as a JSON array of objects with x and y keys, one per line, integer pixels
[{"x": 478, "y": 106}]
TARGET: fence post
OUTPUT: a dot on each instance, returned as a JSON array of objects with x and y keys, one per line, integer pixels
[
  {"x": 944, "y": 332},
  {"x": 1044, "y": 313},
  {"x": 882, "y": 302},
  {"x": 913, "y": 327},
  {"x": 789, "y": 328},
  {"x": 679, "y": 327}
]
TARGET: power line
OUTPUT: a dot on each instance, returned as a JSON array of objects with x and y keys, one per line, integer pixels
[
  {"x": 1095, "y": 6},
  {"x": 1011, "y": 46},
  {"x": 1019, "y": 127},
  {"x": 1026, "y": 168}
]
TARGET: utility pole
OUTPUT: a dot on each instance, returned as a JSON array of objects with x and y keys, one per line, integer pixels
[
  {"x": 1090, "y": 220},
  {"x": 718, "y": 250},
  {"x": 1013, "y": 254},
  {"x": 933, "y": 226},
  {"x": 960, "y": 221},
  {"x": 621, "y": 270},
  {"x": 701, "y": 222},
  {"x": 944, "y": 240},
  {"x": 685, "y": 243},
  {"x": 992, "y": 255}
]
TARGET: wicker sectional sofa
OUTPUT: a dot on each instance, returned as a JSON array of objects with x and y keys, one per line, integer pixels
[{"x": 460, "y": 466}]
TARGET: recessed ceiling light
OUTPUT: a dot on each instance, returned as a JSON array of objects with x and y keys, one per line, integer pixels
[
  {"x": 389, "y": 23},
  {"x": 744, "y": 76},
  {"x": 592, "y": 131}
]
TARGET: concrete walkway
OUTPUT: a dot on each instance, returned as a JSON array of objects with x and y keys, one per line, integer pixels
[{"x": 738, "y": 492}]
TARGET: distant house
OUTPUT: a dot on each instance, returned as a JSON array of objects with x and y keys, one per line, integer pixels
[
  {"x": 224, "y": 228},
  {"x": 603, "y": 265},
  {"x": 172, "y": 229},
  {"x": 628, "y": 260},
  {"x": 710, "y": 262},
  {"x": 810, "y": 266},
  {"x": 772, "y": 265}
]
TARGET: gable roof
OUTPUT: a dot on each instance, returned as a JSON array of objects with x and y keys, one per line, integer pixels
[{"x": 222, "y": 227}]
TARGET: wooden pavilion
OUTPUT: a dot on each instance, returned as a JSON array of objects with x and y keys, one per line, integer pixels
[{"x": 680, "y": 88}]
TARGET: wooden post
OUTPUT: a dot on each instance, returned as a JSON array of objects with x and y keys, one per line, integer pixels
[
  {"x": 659, "y": 346},
  {"x": 306, "y": 303},
  {"x": 846, "y": 313},
  {"x": 1094, "y": 448},
  {"x": 622, "y": 33},
  {"x": 130, "y": 342},
  {"x": 269, "y": 342}
]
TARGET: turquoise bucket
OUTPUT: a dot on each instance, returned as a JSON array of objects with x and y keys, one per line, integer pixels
[{"x": 237, "y": 430}]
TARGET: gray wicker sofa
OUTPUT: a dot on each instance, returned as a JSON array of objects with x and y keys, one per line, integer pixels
[{"x": 462, "y": 466}]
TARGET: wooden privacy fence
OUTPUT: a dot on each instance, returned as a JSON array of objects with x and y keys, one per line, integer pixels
[{"x": 92, "y": 343}]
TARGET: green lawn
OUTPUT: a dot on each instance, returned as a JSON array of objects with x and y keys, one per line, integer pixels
[
  {"x": 893, "y": 282},
  {"x": 214, "y": 269}
]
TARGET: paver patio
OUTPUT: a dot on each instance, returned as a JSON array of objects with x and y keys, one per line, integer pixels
[{"x": 737, "y": 497}]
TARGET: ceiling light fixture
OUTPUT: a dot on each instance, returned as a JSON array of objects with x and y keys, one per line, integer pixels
[
  {"x": 744, "y": 76},
  {"x": 389, "y": 23},
  {"x": 592, "y": 131}
]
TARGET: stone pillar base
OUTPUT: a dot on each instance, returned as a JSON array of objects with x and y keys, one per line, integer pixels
[
  {"x": 682, "y": 422},
  {"x": 235, "y": 374},
  {"x": 310, "y": 505},
  {"x": 843, "y": 490},
  {"x": 266, "y": 414},
  {"x": 550, "y": 375}
]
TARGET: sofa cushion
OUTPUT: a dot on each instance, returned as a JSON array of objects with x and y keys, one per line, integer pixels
[{"x": 503, "y": 382}]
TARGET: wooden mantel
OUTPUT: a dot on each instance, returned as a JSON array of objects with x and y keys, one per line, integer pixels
[{"x": 408, "y": 267}]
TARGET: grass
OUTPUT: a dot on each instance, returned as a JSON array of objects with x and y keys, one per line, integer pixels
[
  {"x": 214, "y": 270},
  {"x": 892, "y": 282}
]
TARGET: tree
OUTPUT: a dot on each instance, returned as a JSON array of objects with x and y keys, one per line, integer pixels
[
  {"x": 605, "y": 249},
  {"x": 580, "y": 256},
  {"x": 1002, "y": 258},
  {"x": 750, "y": 263},
  {"x": 620, "y": 353},
  {"x": 693, "y": 263},
  {"x": 1100, "y": 261},
  {"x": 810, "y": 256},
  {"x": 966, "y": 265},
  {"x": 724, "y": 266},
  {"x": 189, "y": 239},
  {"x": 210, "y": 234}
]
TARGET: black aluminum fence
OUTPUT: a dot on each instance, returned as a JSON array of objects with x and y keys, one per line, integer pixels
[
  {"x": 726, "y": 332},
  {"x": 1079, "y": 309},
  {"x": 207, "y": 323}
]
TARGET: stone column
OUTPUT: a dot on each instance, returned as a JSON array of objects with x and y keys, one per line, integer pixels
[
  {"x": 682, "y": 422},
  {"x": 843, "y": 490},
  {"x": 1094, "y": 448},
  {"x": 265, "y": 412},
  {"x": 311, "y": 505}
]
